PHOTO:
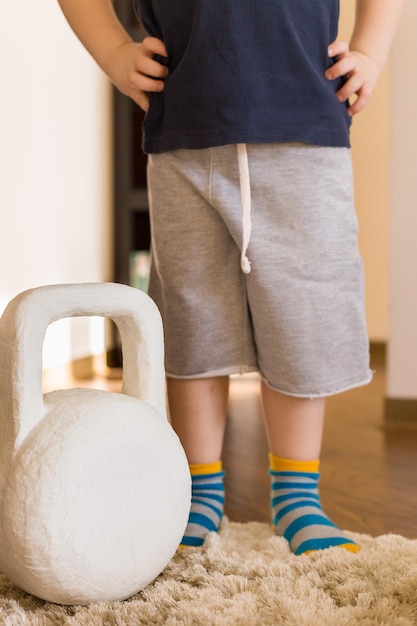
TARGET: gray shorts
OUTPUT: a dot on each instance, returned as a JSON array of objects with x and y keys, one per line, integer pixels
[{"x": 286, "y": 213}]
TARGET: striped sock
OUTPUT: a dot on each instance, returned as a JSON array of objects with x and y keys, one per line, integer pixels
[
  {"x": 207, "y": 501},
  {"x": 296, "y": 511}
]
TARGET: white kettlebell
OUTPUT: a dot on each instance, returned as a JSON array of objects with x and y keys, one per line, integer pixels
[{"x": 94, "y": 486}]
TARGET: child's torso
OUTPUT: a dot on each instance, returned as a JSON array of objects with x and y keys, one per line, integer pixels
[{"x": 244, "y": 71}]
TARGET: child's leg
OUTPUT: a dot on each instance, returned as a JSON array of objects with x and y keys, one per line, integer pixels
[
  {"x": 198, "y": 416},
  {"x": 294, "y": 428},
  {"x": 197, "y": 409},
  {"x": 294, "y": 425}
]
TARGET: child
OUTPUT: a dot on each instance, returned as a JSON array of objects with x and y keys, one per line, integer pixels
[{"x": 255, "y": 260}]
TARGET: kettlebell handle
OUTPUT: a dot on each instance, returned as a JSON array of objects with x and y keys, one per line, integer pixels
[{"x": 23, "y": 327}]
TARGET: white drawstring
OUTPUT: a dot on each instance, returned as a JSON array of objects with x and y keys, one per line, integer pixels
[{"x": 245, "y": 193}]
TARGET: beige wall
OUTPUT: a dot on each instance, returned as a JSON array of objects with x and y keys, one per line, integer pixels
[
  {"x": 402, "y": 354},
  {"x": 384, "y": 145},
  {"x": 370, "y": 153}
]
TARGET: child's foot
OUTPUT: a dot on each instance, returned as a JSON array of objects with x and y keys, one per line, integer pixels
[
  {"x": 296, "y": 511},
  {"x": 207, "y": 501}
]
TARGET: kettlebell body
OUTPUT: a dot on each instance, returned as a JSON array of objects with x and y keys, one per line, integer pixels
[{"x": 95, "y": 488}]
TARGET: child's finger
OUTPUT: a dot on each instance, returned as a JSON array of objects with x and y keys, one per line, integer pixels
[
  {"x": 351, "y": 86},
  {"x": 153, "y": 45},
  {"x": 150, "y": 67},
  {"x": 141, "y": 82},
  {"x": 345, "y": 65},
  {"x": 337, "y": 48},
  {"x": 141, "y": 99},
  {"x": 364, "y": 95}
]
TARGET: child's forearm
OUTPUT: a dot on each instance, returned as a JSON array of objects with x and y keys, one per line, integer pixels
[
  {"x": 97, "y": 27},
  {"x": 375, "y": 25},
  {"x": 131, "y": 66}
]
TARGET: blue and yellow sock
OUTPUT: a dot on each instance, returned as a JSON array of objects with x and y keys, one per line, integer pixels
[
  {"x": 296, "y": 511},
  {"x": 207, "y": 502}
]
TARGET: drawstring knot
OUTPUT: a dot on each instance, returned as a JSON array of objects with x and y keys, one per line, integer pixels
[{"x": 245, "y": 265}]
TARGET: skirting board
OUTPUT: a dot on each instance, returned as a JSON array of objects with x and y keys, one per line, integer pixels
[
  {"x": 401, "y": 412},
  {"x": 86, "y": 368}
]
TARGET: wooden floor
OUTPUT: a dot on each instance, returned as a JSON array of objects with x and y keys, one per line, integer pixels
[{"x": 368, "y": 470}]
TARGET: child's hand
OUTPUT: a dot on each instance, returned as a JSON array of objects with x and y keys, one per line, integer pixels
[
  {"x": 361, "y": 71},
  {"x": 135, "y": 72}
]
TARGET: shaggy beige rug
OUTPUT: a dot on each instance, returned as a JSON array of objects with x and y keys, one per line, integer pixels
[{"x": 245, "y": 576}]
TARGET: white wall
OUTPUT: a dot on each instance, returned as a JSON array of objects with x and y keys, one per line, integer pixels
[
  {"x": 402, "y": 354},
  {"x": 55, "y": 171}
]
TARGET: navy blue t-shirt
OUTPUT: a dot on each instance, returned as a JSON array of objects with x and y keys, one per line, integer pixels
[{"x": 244, "y": 71}]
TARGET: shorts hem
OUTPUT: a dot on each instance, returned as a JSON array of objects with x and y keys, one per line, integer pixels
[
  {"x": 322, "y": 394},
  {"x": 246, "y": 369},
  {"x": 225, "y": 371}
]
